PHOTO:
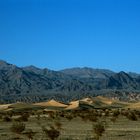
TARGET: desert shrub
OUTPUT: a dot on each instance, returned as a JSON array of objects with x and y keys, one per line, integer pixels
[
  {"x": 15, "y": 138},
  {"x": 51, "y": 133},
  {"x": 58, "y": 125},
  {"x": 132, "y": 116},
  {"x": 10, "y": 114},
  {"x": 7, "y": 119},
  {"x": 92, "y": 118},
  {"x": 51, "y": 115},
  {"x": 124, "y": 112},
  {"x": 99, "y": 129},
  {"x": 62, "y": 115},
  {"x": 113, "y": 119},
  {"x": 84, "y": 118},
  {"x": 137, "y": 112},
  {"x": 38, "y": 117},
  {"x": 17, "y": 119},
  {"x": 69, "y": 117},
  {"x": 18, "y": 127},
  {"x": 106, "y": 113},
  {"x": 25, "y": 117},
  {"x": 88, "y": 116},
  {"x": 30, "y": 134},
  {"x": 116, "y": 113},
  {"x": 1, "y": 116}
]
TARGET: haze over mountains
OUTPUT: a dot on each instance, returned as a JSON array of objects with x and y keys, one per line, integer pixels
[{"x": 32, "y": 84}]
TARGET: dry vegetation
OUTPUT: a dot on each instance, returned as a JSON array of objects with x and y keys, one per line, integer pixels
[{"x": 28, "y": 123}]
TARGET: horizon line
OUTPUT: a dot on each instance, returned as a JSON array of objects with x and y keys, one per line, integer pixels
[{"x": 66, "y": 68}]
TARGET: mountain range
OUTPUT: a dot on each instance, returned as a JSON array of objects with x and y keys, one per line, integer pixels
[{"x": 32, "y": 84}]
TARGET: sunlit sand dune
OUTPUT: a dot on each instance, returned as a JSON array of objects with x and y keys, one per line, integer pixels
[
  {"x": 4, "y": 107},
  {"x": 52, "y": 103},
  {"x": 73, "y": 105}
]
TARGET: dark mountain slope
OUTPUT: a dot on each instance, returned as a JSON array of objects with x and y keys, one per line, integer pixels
[
  {"x": 15, "y": 81},
  {"x": 122, "y": 80},
  {"x": 35, "y": 84},
  {"x": 88, "y": 73},
  {"x": 134, "y": 75}
]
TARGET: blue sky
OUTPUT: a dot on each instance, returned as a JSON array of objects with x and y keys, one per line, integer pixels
[{"x": 59, "y": 34}]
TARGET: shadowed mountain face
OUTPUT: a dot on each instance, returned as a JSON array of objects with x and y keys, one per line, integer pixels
[
  {"x": 123, "y": 80},
  {"x": 88, "y": 73},
  {"x": 34, "y": 84}
]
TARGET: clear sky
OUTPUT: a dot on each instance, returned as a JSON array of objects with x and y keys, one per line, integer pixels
[{"x": 59, "y": 34}]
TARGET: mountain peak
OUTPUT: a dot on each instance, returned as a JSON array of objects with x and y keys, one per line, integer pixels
[
  {"x": 31, "y": 67},
  {"x": 87, "y": 72},
  {"x": 2, "y": 62},
  {"x": 123, "y": 74},
  {"x": 37, "y": 84},
  {"x": 5, "y": 65}
]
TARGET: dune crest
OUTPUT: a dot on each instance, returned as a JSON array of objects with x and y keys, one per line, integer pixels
[
  {"x": 73, "y": 105},
  {"x": 52, "y": 103},
  {"x": 4, "y": 107}
]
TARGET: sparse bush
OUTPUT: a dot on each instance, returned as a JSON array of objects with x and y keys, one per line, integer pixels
[
  {"x": 25, "y": 117},
  {"x": 58, "y": 125},
  {"x": 51, "y": 133},
  {"x": 125, "y": 113},
  {"x": 99, "y": 113},
  {"x": 84, "y": 118},
  {"x": 106, "y": 113},
  {"x": 30, "y": 134},
  {"x": 137, "y": 112},
  {"x": 51, "y": 115},
  {"x": 92, "y": 118},
  {"x": 7, "y": 119},
  {"x": 18, "y": 127},
  {"x": 99, "y": 129},
  {"x": 113, "y": 119},
  {"x": 132, "y": 116},
  {"x": 116, "y": 113},
  {"x": 0, "y": 116},
  {"x": 69, "y": 117},
  {"x": 10, "y": 113},
  {"x": 38, "y": 117}
]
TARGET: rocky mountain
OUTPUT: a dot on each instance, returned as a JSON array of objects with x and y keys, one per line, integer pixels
[
  {"x": 88, "y": 73},
  {"x": 134, "y": 75},
  {"x": 123, "y": 80},
  {"x": 32, "y": 84}
]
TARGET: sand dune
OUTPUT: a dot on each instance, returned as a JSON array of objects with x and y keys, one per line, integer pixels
[
  {"x": 4, "y": 107},
  {"x": 73, "y": 105},
  {"x": 94, "y": 102},
  {"x": 87, "y": 100},
  {"x": 98, "y": 101},
  {"x": 104, "y": 100},
  {"x": 52, "y": 103},
  {"x": 134, "y": 105}
]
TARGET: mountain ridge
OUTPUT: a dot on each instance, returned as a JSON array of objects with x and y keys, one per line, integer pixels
[{"x": 32, "y": 84}]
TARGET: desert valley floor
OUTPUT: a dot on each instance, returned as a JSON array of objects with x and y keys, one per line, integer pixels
[{"x": 97, "y": 118}]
